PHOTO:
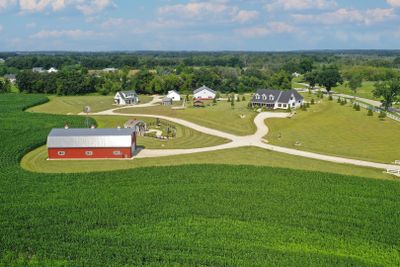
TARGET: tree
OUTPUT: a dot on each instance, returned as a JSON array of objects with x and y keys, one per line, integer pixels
[
  {"x": 5, "y": 86},
  {"x": 382, "y": 115},
  {"x": 311, "y": 78},
  {"x": 329, "y": 77},
  {"x": 281, "y": 80},
  {"x": 355, "y": 82},
  {"x": 306, "y": 64},
  {"x": 389, "y": 91},
  {"x": 233, "y": 101}
]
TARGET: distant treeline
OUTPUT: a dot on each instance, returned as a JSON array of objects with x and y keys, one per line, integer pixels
[{"x": 265, "y": 60}]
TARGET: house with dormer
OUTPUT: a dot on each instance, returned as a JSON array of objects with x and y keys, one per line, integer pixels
[
  {"x": 277, "y": 99},
  {"x": 126, "y": 98}
]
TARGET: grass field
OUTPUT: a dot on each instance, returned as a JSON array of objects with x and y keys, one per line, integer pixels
[
  {"x": 74, "y": 104},
  {"x": 185, "y": 215},
  {"x": 338, "y": 130},
  {"x": 36, "y": 161},
  {"x": 221, "y": 116},
  {"x": 185, "y": 137},
  {"x": 365, "y": 91}
]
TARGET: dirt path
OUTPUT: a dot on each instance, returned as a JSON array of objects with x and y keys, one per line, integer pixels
[{"x": 242, "y": 141}]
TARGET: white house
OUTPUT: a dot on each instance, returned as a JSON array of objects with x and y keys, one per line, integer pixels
[
  {"x": 174, "y": 95},
  {"x": 204, "y": 93},
  {"x": 126, "y": 98},
  {"x": 39, "y": 70},
  {"x": 277, "y": 99},
  {"x": 296, "y": 74},
  {"x": 108, "y": 70},
  {"x": 52, "y": 70}
]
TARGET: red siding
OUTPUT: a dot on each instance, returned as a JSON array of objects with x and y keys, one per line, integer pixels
[{"x": 98, "y": 153}]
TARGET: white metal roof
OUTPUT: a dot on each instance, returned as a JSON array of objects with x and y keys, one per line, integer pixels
[{"x": 90, "y": 138}]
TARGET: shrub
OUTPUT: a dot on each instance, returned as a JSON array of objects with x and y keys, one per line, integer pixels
[
  {"x": 243, "y": 98},
  {"x": 382, "y": 115},
  {"x": 330, "y": 98},
  {"x": 307, "y": 104},
  {"x": 312, "y": 101},
  {"x": 358, "y": 107},
  {"x": 339, "y": 100},
  {"x": 370, "y": 112}
]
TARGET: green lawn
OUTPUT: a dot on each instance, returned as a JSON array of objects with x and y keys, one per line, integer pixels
[
  {"x": 338, "y": 130},
  {"x": 221, "y": 116},
  {"x": 74, "y": 104},
  {"x": 185, "y": 137},
  {"x": 193, "y": 215},
  {"x": 36, "y": 161},
  {"x": 365, "y": 91}
]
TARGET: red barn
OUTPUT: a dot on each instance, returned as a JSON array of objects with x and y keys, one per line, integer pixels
[{"x": 91, "y": 143}]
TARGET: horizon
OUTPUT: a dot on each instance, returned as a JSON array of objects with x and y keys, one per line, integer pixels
[{"x": 200, "y": 25}]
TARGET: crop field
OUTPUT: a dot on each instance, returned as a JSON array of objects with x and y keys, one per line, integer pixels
[
  {"x": 68, "y": 105},
  {"x": 221, "y": 116},
  {"x": 185, "y": 137},
  {"x": 333, "y": 129},
  {"x": 185, "y": 215}
]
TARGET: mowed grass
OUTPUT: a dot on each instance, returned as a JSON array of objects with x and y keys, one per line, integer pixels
[
  {"x": 185, "y": 137},
  {"x": 36, "y": 161},
  {"x": 220, "y": 116},
  {"x": 333, "y": 129},
  {"x": 185, "y": 215},
  {"x": 68, "y": 105},
  {"x": 365, "y": 91}
]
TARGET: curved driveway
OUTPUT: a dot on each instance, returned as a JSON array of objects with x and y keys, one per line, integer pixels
[{"x": 255, "y": 139}]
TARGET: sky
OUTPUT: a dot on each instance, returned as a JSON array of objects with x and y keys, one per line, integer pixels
[{"x": 201, "y": 25}]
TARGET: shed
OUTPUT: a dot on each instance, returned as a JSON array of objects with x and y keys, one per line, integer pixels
[
  {"x": 85, "y": 143},
  {"x": 166, "y": 101},
  {"x": 140, "y": 127}
]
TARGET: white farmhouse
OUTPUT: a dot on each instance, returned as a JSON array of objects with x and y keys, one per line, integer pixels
[
  {"x": 174, "y": 95},
  {"x": 277, "y": 99},
  {"x": 204, "y": 93},
  {"x": 126, "y": 98},
  {"x": 52, "y": 70}
]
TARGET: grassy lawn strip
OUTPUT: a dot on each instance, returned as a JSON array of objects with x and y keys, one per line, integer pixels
[
  {"x": 333, "y": 129},
  {"x": 74, "y": 104},
  {"x": 36, "y": 161},
  {"x": 185, "y": 137},
  {"x": 221, "y": 116},
  {"x": 365, "y": 91}
]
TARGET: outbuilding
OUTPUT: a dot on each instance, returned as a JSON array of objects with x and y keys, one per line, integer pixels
[
  {"x": 204, "y": 93},
  {"x": 126, "y": 98},
  {"x": 166, "y": 101},
  {"x": 85, "y": 143},
  {"x": 174, "y": 95}
]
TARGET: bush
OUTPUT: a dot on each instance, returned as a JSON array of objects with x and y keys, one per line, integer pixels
[
  {"x": 339, "y": 100},
  {"x": 382, "y": 115},
  {"x": 358, "y": 107},
  {"x": 312, "y": 101},
  {"x": 370, "y": 112},
  {"x": 330, "y": 98},
  {"x": 243, "y": 98},
  {"x": 307, "y": 105},
  {"x": 343, "y": 102}
]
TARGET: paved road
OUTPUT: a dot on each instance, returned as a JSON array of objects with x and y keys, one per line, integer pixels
[{"x": 255, "y": 139}]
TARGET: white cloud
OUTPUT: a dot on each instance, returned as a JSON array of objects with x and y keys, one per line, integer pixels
[
  {"x": 343, "y": 15},
  {"x": 209, "y": 10},
  {"x": 245, "y": 15},
  {"x": 75, "y": 34},
  {"x": 87, "y": 7},
  {"x": 394, "y": 3},
  {"x": 262, "y": 31},
  {"x": 300, "y": 4},
  {"x": 94, "y": 6},
  {"x": 6, "y": 3}
]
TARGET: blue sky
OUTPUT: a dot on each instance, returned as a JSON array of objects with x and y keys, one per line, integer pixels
[{"x": 260, "y": 25}]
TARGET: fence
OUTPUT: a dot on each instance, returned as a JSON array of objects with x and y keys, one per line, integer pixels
[{"x": 366, "y": 106}]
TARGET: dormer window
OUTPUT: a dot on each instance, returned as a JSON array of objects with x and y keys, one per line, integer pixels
[
  {"x": 271, "y": 97},
  {"x": 264, "y": 97},
  {"x": 257, "y": 96}
]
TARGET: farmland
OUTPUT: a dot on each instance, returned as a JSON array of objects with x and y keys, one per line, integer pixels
[
  {"x": 183, "y": 215},
  {"x": 338, "y": 130},
  {"x": 68, "y": 105}
]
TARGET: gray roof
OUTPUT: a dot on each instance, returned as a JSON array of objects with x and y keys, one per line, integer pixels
[
  {"x": 280, "y": 96},
  {"x": 204, "y": 88},
  {"x": 128, "y": 94},
  {"x": 10, "y": 76},
  {"x": 167, "y": 99},
  {"x": 90, "y": 138}
]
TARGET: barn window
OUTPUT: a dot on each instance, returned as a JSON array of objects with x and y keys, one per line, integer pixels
[
  {"x": 89, "y": 153},
  {"x": 117, "y": 153},
  {"x": 61, "y": 153}
]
